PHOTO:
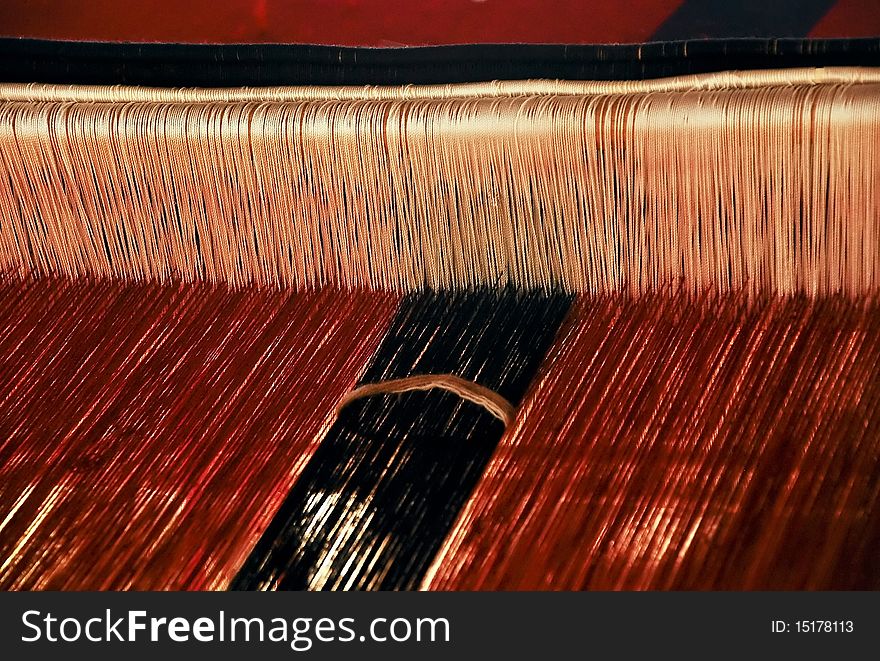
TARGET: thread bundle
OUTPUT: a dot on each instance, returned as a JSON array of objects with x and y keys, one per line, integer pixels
[
  {"x": 148, "y": 433},
  {"x": 753, "y": 183},
  {"x": 673, "y": 442}
]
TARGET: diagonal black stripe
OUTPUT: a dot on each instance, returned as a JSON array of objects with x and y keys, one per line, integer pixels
[
  {"x": 375, "y": 502},
  {"x": 725, "y": 19}
]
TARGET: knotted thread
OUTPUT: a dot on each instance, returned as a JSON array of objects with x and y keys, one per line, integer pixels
[{"x": 490, "y": 400}]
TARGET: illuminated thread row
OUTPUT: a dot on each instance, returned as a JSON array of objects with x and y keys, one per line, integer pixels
[{"x": 770, "y": 189}]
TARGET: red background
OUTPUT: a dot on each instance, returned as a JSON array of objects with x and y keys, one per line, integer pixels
[{"x": 374, "y": 22}]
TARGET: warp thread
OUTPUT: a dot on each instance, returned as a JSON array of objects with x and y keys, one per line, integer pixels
[{"x": 577, "y": 186}]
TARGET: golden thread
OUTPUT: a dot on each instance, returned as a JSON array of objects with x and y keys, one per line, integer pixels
[
  {"x": 722, "y": 80},
  {"x": 490, "y": 400},
  {"x": 766, "y": 181}
]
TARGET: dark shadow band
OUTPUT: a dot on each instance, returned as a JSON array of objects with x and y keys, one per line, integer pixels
[{"x": 208, "y": 65}]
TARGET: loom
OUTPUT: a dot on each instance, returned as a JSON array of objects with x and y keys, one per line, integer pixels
[{"x": 463, "y": 317}]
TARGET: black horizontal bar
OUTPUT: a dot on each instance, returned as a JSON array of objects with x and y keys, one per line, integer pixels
[{"x": 39, "y": 61}]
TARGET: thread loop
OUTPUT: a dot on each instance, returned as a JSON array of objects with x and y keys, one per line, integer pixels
[{"x": 490, "y": 400}]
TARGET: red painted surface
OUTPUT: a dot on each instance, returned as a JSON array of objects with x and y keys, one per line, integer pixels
[
  {"x": 340, "y": 22},
  {"x": 374, "y": 22},
  {"x": 850, "y": 18},
  {"x": 149, "y": 433}
]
